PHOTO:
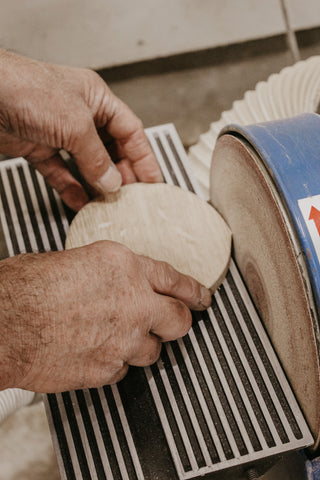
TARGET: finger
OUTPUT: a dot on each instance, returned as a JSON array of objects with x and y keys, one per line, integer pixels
[
  {"x": 13, "y": 146},
  {"x": 119, "y": 375},
  {"x": 18, "y": 147},
  {"x": 148, "y": 352},
  {"x": 125, "y": 168},
  {"x": 123, "y": 164},
  {"x": 104, "y": 370},
  {"x": 93, "y": 160},
  {"x": 58, "y": 176},
  {"x": 124, "y": 126},
  {"x": 172, "y": 319},
  {"x": 164, "y": 279}
]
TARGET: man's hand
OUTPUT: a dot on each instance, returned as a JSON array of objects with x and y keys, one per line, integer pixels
[
  {"x": 45, "y": 108},
  {"x": 80, "y": 317}
]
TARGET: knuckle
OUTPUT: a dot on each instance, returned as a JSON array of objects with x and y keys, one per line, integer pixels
[
  {"x": 182, "y": 312},
  {"x": 119, "y": 375},
  {"x": 92, "y": 75},
  {"x": 139, "y": 128},
  {"x": 171, "y": 276},
  {"x": 98, "y": 248},
  {"x": 91, "y": 378},
  {"x": 194, "y": 290},
  {"x": 89, "y": 77},
  {"x": 124, "y": 256},
  {"x": 84, "y": 124},
  {"x": 118, "y": 249},
  {"x": 129, "y": 259},
  {"x": 154, "y": 354},
  {"x": 148, "y": 352},
  {"x": 81, "y": 122},
  {"x": 100, "y": 163}
]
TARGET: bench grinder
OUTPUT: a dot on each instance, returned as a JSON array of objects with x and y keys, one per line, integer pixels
[{"x": 265, "y": 181}]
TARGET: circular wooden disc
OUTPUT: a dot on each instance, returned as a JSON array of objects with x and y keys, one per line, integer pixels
[
  {"x": 162, "y": 222},
  {"x": 266, "y": 255}
]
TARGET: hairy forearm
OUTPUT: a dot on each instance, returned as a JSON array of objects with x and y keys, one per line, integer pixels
[
  {"x": 22, "y": 297},
  {"x": 8, "y": 361},
  {"x": 12, "y": 337}
]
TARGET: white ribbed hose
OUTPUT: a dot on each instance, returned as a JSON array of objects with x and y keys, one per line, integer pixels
[{"x": 14, "y": 398}]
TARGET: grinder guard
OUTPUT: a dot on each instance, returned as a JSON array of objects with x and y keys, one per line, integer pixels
[{"x": 258, "y": 175}]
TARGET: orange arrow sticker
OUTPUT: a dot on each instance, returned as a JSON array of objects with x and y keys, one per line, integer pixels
[
  {"x": 315, "y": 216},
  {"x": 310, "y": 209}
]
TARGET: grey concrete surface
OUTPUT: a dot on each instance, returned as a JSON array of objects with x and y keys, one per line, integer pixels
[{"x": 193, "y": 92}]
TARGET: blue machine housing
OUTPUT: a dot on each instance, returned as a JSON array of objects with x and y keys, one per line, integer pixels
[{"x": 290, "y": 151}]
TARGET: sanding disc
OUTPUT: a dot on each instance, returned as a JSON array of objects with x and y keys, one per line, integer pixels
[
  {"x": 163, "y": 222},
  {"x": 267, "y": 256}
]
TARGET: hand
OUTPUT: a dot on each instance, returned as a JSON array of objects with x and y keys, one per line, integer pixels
[
  {"x": 45, "y": 108},
  {"x": 78, "y": 318}
]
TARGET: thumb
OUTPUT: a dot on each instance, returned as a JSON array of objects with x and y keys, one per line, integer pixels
[
  {"x": 94, "y": 162},
  {"x": 166, "y": 280}
]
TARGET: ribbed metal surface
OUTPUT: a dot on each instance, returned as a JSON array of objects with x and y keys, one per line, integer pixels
[{"x": 217, "y": 398}]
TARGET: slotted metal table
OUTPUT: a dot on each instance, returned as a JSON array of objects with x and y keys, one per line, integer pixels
[{"x": 217, "y": 399}]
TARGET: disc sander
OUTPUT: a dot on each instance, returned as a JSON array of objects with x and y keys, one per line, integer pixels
[
  {"x": 267, "y": 254},
  {"x": 163, "y": 222}
]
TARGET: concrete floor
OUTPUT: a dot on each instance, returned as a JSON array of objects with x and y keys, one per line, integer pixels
[{"x": 190, "y": 91}]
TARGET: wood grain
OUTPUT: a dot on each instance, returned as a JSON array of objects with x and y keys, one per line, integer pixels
[{"x": 163, "y": 222}]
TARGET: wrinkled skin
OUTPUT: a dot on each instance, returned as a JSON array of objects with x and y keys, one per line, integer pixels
[
  {"x": 45, "y": 108},
  {"x": 79, "y": 318}
]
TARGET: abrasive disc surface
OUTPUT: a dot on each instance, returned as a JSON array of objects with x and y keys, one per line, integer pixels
[
  {"x": 267, "y": 257},
  {"x": 163, "y": 222}
]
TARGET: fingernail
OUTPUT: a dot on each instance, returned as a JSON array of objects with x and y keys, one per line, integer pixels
[
  {"x": 110, "y": 181},
  {"x": 206, "y": 298}
]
